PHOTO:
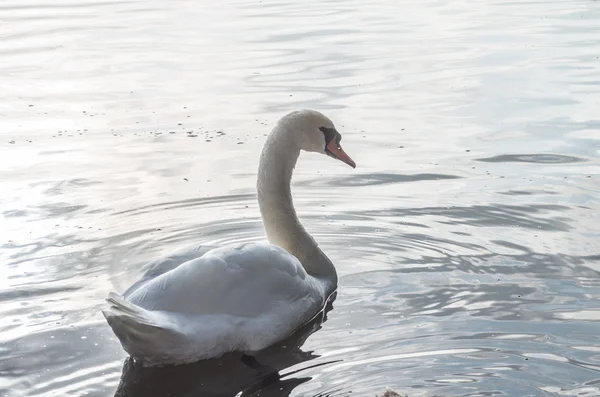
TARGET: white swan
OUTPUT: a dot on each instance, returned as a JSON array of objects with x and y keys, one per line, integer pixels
[{"x": 201, "y": 303}]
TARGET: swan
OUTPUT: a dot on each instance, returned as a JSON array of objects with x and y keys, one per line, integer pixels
[{"x": 203, "y": 302}]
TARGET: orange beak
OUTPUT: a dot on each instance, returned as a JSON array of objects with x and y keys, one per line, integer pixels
[{"x": 335, "y": 150}]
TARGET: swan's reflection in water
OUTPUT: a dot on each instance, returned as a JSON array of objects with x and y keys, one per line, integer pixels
[{"x": 228, "y": 375}]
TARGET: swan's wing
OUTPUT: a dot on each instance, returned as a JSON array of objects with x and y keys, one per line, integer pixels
[
  {"x": 244, "y": 281},
  {"x": 167, "y": 263}
]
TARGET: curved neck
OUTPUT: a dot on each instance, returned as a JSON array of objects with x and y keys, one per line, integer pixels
[{"x": 281, "y": 223}]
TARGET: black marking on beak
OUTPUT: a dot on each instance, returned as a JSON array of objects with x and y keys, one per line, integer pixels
[{"x": 330, "y": 135}]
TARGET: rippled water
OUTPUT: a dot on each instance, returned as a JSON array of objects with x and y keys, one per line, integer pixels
[{"x": 466, "y": 240}]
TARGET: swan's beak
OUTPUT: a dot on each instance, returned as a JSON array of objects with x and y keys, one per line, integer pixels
[{"x": 335, "y": 150}]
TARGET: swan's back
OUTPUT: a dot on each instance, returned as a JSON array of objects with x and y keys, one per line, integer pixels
[{"x": 249, "y": 280}]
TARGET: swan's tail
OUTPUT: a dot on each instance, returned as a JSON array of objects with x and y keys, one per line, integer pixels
[{"x": 147, "y": 336}]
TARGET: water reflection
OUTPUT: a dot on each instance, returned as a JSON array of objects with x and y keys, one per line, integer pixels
[
  {"x": 374, "y": 179},
  {"x": 529, "y": 216},
  {"x": 227, "y": 376},
  {"x": 532, "y": 158}
]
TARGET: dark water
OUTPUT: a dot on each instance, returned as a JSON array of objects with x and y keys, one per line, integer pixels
[{"x": 467, "y": 240}]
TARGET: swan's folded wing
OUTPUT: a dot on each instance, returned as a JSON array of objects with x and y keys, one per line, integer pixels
[
  {"x": 167, "y": 263},
  {"x": 245, "y": 281}
]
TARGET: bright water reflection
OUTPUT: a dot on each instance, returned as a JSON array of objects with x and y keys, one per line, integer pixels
[{"x": 466, "y": 239}]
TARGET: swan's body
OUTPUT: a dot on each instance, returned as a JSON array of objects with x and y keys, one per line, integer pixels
[{"x": 202, "y": 303}]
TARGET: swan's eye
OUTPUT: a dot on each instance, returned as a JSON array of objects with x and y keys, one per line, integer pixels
[{"x": 330, "y": 135}]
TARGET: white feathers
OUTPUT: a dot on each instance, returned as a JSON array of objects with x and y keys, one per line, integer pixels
[{"x": 202, "y": 303}]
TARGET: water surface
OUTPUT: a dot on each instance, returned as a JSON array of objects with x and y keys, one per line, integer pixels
[{"x": 466, "y": 240}]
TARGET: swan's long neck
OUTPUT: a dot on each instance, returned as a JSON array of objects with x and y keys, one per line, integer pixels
[{"x": 281, "y": 223}]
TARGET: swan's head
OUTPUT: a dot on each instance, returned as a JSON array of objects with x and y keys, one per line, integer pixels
[{"x": 314, "y": 132}]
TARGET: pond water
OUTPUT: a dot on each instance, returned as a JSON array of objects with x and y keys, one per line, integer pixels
[{"x": 466, "y": 240}]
